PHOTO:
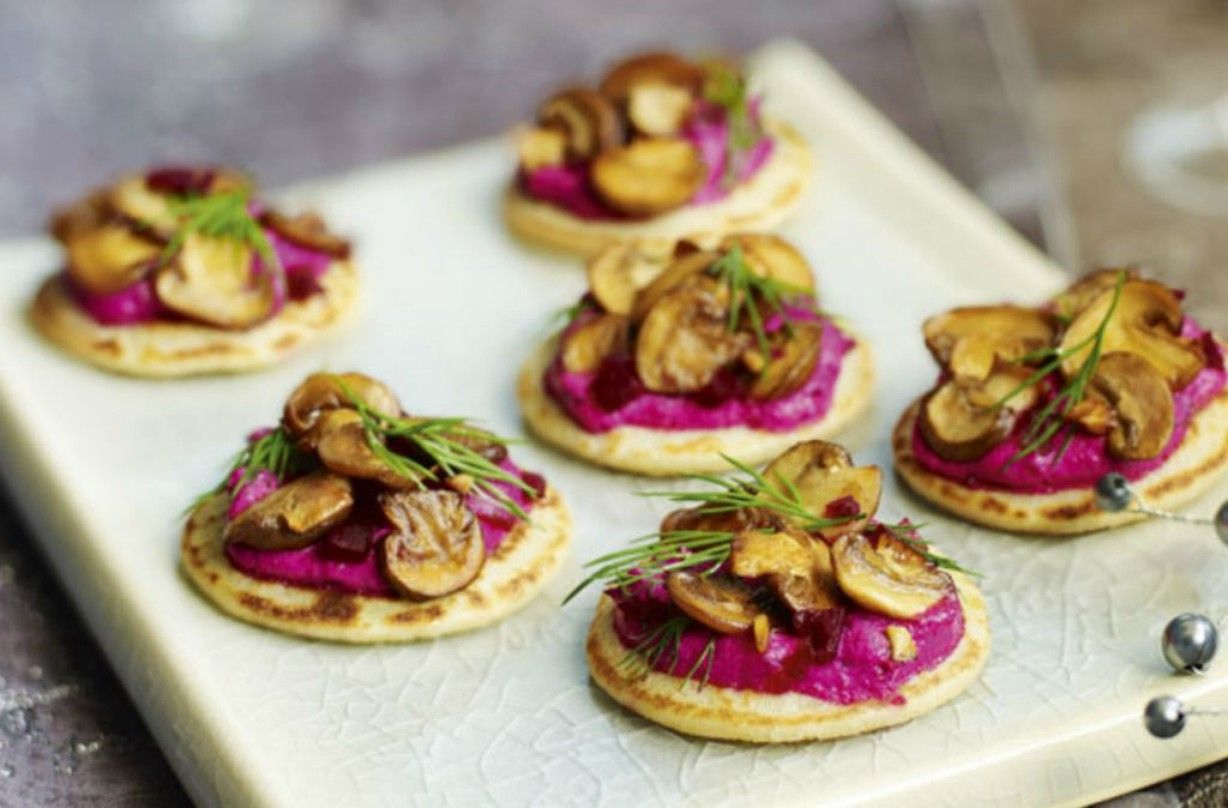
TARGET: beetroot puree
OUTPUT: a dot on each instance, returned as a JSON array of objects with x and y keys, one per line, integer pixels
[
  {"x": 318, "y": 566},
  {"x": 567, "y": 186},
  {"x": 1086, "y": 459},
  {"x": 579, "y": 397},
  {"x": 862, "y": 669}
]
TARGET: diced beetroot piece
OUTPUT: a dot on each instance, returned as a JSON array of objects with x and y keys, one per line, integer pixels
[
  {"x": 842, "y": 508},
  {"x": 616, "y": 383},
  {"x": 536, "y": 482},
  {"x": 349, "y": 542},
  {"x": 822, "y": 629},
  {"x": 179, "y": 180},
  {"x": 725, "y": 385}
]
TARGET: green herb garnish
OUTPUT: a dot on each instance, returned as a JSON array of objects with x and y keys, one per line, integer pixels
[
  {"x": 748, "y": 290},
  {"x": 273, "y": 452},
  {"x": 1051, "y": 419},
  {"x": 441, "y": 440},
  {"x": 907, "y": 532},
  {"x": 221, "y": 215},
  {"x": 727, "y": 89},
  {"x": 665, "y": 641}
]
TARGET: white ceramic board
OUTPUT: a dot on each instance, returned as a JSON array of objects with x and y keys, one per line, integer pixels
[{"x": 102, "y": 466}]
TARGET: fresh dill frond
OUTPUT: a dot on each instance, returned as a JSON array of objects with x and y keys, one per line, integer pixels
[
  {"x": 727, "y": 88},
  {"x": 221, "y": 215},
  {"x": 907, "y": 533},
  {"x": 664, "y": 643},
  {"x": 748, "y": 290},
  {"x": 274, "y": 452}
]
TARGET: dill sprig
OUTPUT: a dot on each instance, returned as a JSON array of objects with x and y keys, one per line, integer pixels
[
  {"x": 727, "y": 89},
  {"x": 221, "y": 215},
  {"x": 665, "y": 641},
  {"x": 661, "y": 552},
  {"x": 436, "y": 438},
  {"x": 907, "y": 532},
  {"x": 274, "y": 452},
  {"x": 1051, "y": 419},
  {"x": 567, "y": 315},
  {"x": 747, "y": 290}
]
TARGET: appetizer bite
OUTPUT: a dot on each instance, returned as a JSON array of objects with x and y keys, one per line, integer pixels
[
  {"x": 1033, "y": 405},
  {"x": 660, "y": 148},
  {"x": 352, "y": 521},
  {"x": 669, "y": 361},
  {"x": 181, "y": 271},
  {"x": 778, "y": 608}
]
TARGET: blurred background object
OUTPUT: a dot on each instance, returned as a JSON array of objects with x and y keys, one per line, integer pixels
[{"x": 1047, "y": 109}]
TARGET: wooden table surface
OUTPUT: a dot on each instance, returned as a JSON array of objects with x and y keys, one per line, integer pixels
[{"x": 299, "y": 88}]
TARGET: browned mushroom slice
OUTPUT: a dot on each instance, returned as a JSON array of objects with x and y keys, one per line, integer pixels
[
  {"x": 306, "y": 230},
  {"x": 109, "y": 258},
  {"x": 676, "y": 272},
  {"x": 772, "y": 257},
  {"x": 321, "y": 392},
  {"x": 719, "y": 603},
  {"x": 1146, "y": 322},
  {"x": 618, "y": 272},
  {"x": 539, "y": 147},
  {"x": 651, "y": 68},
  {"x": 81, "y": 217},
  {"x": 797, "y": 567},
  {"x": 294, "y": 515},
  {"x": 133, "y": 198},
  {"x": 587, "y": 119},
  {"x": 744, "y": 519},
  {"x": 1142, "y": 402},
  {"x": 827, "y": 484},
  {"x": 684, "y": 341},
  {"x": 792, "y": 365},
  {"x": 436, "y": 545},
  {"x": 657, "y": 109},
  {"x": 586, "y": 345},
  {"x": 961, "y": 420},
  {"x": 342, "y": 446},
  {"x": 969, "y": 340},
  {"x": 1075, "y": 299},
  {"x": 887, "y": 576},
  {"x": 211, "y": 280},
  {"x": 648, "y": 177}
]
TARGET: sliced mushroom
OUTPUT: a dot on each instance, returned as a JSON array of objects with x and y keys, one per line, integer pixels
[
  {"x": 651, "y": 68},
  {"x": 211, "y": 280},
  {"x": 1142, "y": 403},
  {"x": 321, "y": 392},
  {"x": 742, "y": 520},
  {"x": 962, "y": 420},
  {"x": 436, "y": 546},
  {"x": 1146, "y": 322},
  {"x": 772, "y": 257},
  {"x": 719, "y": 603},
  {"x": 618, "y": 272},
  {"x": 887, "y": 576},
  {"x": 828, "y": 484},
  {"x": 81, "y": 216},
  {"x": 295, "y": 515},
  {"x": 342, "y": 446},
  {"x": 587, "y": 119},
  {"x": 791, "y": 365},
  {"x": 969, "y": 340},
  {"x": 684, "y": 340},
  {"x": 1074, "y": 300},
  {"x": 587, "y": 344},
  {"x": 797, "y": 567},
  {"x": 134, "y": 199},
  {"x": 648, "y": 176},
  {"x": 110, "y": 257},
  {"x": 306, "y": 230},
  {"x": 539, "y": 147},
  {"x": 657, "y": 109},
  {"x": 681, "y": 269}
]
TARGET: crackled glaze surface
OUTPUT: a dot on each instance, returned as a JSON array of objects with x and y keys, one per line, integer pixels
[{"x": 506, "y": 716}]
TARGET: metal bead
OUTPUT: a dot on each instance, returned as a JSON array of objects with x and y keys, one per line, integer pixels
[
  {"x": 1221, "y": 523},
  {"x": 1164, "y": 716},
  {"x": 1189, "y": 642},
  {"x": 1113, "y": 492}
]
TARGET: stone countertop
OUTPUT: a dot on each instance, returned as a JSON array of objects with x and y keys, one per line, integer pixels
[{"x": 293, "y": 89}]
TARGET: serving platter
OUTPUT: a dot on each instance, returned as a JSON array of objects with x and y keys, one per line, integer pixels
[{"x": 102, "y": 468}]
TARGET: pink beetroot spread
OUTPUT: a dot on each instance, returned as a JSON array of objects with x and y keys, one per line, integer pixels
[
  {"x": 567, "y": 186},
  {"x": 302, "y": 267},
  {"x": 1086, "y": 459},
  {"x": 347, "y": 560},
  {"x": 861, "y": 670},
  {"x": 613, "y": 396}
]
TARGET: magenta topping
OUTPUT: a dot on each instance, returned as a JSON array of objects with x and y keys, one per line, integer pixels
[
  {"x": 347, "y": 560},
  {"x": 1086, "y": 459},
  {"x": 180, "y": 180},
  {"x": 613, "y": 396},
  {"x": 859, "y": 668},
  {"x": 134, "y": 304}
]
